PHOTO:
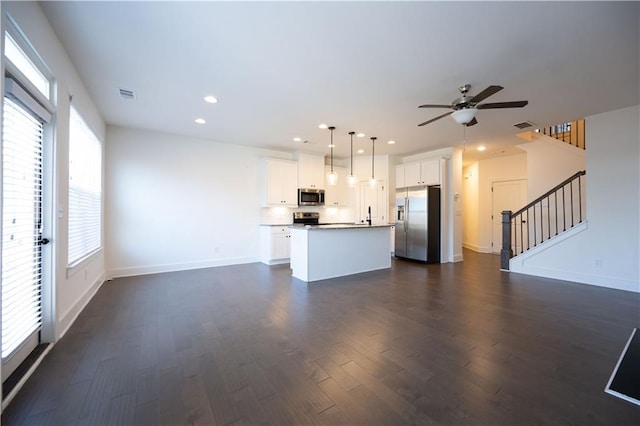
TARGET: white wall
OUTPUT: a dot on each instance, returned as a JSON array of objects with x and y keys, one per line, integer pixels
[
  {"x": 72, "y": 289},
  {"x": 611, "y": 238},
  {"x": 477, "y": 197},
  {"x": 471, "y": 206},
  {"x": 175, "y": 202},
  {"x": 550, "y": 162}
]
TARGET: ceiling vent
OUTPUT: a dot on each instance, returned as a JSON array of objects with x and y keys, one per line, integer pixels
[
  {"x": 129, "y": 95},
  {"x": 524, "y": 125}
]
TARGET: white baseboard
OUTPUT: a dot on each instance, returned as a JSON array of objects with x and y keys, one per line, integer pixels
[
  {"x": 581, "y": 278},
  {"x": 174, "y": 267},
  {"x": 68, "y": 318},
  {"x": 476, "y": 248}
]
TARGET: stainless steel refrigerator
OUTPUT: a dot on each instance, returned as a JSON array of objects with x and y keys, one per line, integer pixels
[{"x": 418, "y": 223}]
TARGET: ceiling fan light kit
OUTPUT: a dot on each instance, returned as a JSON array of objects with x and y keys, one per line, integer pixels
[
  {"x": 464, "y": 116},
  {"x": 466, "y": 107}
]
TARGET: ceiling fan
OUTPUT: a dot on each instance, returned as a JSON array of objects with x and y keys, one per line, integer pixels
[{"x": 465, "y": 107}]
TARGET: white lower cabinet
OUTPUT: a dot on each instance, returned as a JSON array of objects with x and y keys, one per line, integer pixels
[{"x": 275, "y": 244}]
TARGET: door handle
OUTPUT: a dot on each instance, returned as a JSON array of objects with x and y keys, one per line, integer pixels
[
  {"x": 43, "y": 241},
  {"x": 406, "y": 214}
]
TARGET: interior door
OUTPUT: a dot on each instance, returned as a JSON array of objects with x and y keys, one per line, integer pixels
[
  {"x": 506, "y": 195},
  {"x": 23, "y": 228}
]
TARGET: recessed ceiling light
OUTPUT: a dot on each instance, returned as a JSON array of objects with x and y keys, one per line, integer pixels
[
  {"x": 361, "y": 135},
  {"x": 482, "y": 148},
  {"x": 200, "y": 120},
  {"x": 211, "y": 99},
  {"x": 323, "y": 126},
  {"x": 297, "y": 139},
  {"x": 360, "y": 151},
  {"x": 391, "y": 142}
]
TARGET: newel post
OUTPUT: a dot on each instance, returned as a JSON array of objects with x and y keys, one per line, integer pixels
[{"x": 506, "y": 253}]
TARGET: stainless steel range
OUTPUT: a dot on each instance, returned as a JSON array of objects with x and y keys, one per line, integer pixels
[{"x": 306, "y": 218}]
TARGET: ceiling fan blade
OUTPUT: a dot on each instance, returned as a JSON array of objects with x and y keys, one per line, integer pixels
[
  {"x": 472, "y": 122},
  {"x": 434, "y": 106},
  {"x": 491, "y": 90},
  {"x": 495, "y": 105},
  {"x": 437, "y": 118}
]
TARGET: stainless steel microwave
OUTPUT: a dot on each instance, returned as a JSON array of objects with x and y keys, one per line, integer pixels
[{"x": 310, "y": 197}]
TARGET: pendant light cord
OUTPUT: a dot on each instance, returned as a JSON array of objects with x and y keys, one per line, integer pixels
[
  {"x": 331, "y": 146},
  {"x": 373, "y": 153},
  {"x": 351, "y": 134},
  {"x": 464, "y": 137}
]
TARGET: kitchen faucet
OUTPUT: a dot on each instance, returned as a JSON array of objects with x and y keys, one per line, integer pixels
[{"x": 369, "y": 216}]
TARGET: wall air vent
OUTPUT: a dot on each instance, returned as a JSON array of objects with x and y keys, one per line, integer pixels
[
  {"x": 524, "y": 125},
  {"x": 127, "y": 94}
]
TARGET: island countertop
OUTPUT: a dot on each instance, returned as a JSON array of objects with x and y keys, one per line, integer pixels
[{"x": 342, "y": 226}]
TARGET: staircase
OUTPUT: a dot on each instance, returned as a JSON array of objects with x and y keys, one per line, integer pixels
[
  {"x": 570, "y": 132},
  {"x": 553, "y": 213}
]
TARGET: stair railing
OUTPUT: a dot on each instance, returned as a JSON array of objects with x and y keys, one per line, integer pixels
[
  {"x": 572, "y": 133},
  {"x": 554, "y": 212}
]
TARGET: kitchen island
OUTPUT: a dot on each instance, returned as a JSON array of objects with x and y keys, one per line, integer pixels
[{"x": 320, "y": 252}]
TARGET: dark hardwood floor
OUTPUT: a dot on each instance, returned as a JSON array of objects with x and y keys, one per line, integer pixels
[{"x": 439, "y": 344}]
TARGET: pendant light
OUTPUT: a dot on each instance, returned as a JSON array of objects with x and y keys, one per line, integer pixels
[
  {"x": 351, "y": 178},
  {"x": 332, "y": 177},
  {"x": 373, "y": 151}
]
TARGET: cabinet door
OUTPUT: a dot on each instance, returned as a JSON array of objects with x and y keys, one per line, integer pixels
[
  {"x": 336, "y": 195},
  {"x": 289, "y": 183},
  {"x": 274, "y": 183},
  {"x": 430, "y": 171},
  {"x": 311, "y": 171},
  {"x": 412, "y": 174},
  {"x": 281, "y": 183},
  {"x": 280, "y": 246},
  {"x": 400, "y": 182}
]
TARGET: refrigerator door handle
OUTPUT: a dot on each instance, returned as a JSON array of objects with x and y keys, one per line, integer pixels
[{"x": 406, "y": 214}]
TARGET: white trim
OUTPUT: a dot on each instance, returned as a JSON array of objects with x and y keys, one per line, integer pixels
[
  {"x": 68, "y": 318},
  {"x": 476, "y": 248},
  {"x": 174, "y": 267},
  {"x": 607, "y": 388},
  {"x": 517, "y": 263},
  {"x": 25, "y": 377},
  {"x": 12, "y": 88}
]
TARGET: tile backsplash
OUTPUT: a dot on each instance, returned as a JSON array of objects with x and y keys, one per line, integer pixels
[{"x": 284, "y": 215}]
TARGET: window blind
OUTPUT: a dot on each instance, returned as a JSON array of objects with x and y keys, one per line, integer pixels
[
  {"x": 21, "y": 225},
  {"x": 85, "y": 190}
]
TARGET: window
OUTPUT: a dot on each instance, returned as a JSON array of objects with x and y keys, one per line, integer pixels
[
  {"x": 85, "y": 190},
  {"x": 20, "y": 59}
]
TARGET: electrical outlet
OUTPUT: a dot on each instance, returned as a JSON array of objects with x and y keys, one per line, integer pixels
[{"x": 598, "y": 263}]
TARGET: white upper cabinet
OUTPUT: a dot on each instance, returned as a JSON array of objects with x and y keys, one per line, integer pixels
[
  {"x": 422, "y": 173},
  {"x": 336, "y": 195},
  {"x": 280, "y": 183},
  {"x": 311, "y": 171}
]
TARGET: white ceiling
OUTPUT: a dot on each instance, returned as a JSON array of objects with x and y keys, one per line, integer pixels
[{"x": 281, "y": 68}]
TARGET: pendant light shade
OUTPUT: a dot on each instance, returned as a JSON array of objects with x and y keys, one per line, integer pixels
[
  {"x": 332, "y": 177},
  {"x": 351, "y": 178},
  {"x": 373, "y": 152}
]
